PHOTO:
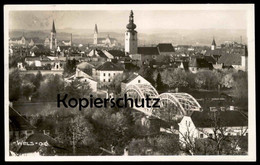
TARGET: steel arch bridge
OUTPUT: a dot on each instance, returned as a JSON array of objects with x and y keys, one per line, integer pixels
[{"x": 177, "y": 103}]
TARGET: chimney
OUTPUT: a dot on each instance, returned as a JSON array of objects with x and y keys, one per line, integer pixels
[{"x": 231, "y": 108}]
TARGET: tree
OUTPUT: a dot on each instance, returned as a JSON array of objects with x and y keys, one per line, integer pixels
[
  {"x": 77, "y": 89},
  {"x": 207, "y": 79},
  {"x": 159, "y": 84},
  {"x": 116, "y": 83},
  {"x": 37, "y": 80},
  {"x": 14, "y": 85},
  {"x": 147, "y": 73},
  {"x": 27, "y": 89},
  {"x": 50, "y": 88},
  {"x": 70, "y": 67},
  {"x": 222, "y": 142},
  {"x": 175, "y": 79}
]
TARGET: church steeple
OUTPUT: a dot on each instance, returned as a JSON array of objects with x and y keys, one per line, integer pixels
[
  {"x": 131, "y": 36},
  {"x": 131, "y": 26},
  {"x": 53, "y": 39},
  {"x": 96, "y": 29},
  {"x": 213, "y": 44},
  {"x": 53, "y": 27}
]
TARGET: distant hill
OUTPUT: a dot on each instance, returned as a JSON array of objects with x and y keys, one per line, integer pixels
[{"x": 175, "y": 36}]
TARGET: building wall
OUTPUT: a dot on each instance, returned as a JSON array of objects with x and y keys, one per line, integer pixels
[
  {"x": 105, "y": 76},
  {"x": 187, "y": 129},
  {"x": 137, "y": 80},
  {"x": 131, "y": 42}
]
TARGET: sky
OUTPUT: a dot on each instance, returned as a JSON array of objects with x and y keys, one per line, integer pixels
[{"x": 144, "y": 19}]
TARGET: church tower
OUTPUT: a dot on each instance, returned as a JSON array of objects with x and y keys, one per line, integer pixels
[
  {"x": 213, "y": 45},
  {"x": 53, "y": 40},
  {"x": 131, "y": 36},
  {"x": 95, "y": 35}
]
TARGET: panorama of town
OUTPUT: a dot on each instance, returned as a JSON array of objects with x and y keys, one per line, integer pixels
[{"x": 202, "y": 90}]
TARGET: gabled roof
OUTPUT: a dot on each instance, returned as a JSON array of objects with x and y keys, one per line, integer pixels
[
  {"x": 230, "y": 59},
  {"x": 205, "y": 119},
  {"x": 217, "y": 52},
  {"x": 130, "y": 78},
  {"x": 210, "y": 59},
  {"x": 101, "y": 53},
  {"x": 148, "y": 50},
  {"x": 38, "y": 48},
  {"x": 109, "y": 66},
  {"x": 116, "y": 53},
  {"x": 165, "y": 47},
  {"x": 18, "y": 122},
  {"x": 200, "y": 63}
]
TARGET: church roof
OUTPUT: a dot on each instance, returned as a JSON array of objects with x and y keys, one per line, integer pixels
[
  {"x": 96, "y": 29},
  {"x": 53, "y": 27},
  {"x": 165, "y": 47},
  {"x": 148, "y": 50},
  {"x": 213, "y": 42},
  {"x": 131, "y": 26},
  {"x": 109, "y": 66}
]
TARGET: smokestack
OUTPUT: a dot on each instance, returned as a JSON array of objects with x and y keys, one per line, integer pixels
[{"x": 71, "y": 39}]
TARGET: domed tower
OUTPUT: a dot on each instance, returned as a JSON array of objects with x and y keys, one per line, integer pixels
[
  {"x": 131, "y": 36},
  {"x": 95, "y": 35},
  {"x": 53, "y": 39},
  {"x": 213, "y": 45}
]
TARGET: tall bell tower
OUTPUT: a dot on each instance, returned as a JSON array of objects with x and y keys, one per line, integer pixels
[
  {"x": 53, "y": 39},
  {"x": 131, "y": 36}
]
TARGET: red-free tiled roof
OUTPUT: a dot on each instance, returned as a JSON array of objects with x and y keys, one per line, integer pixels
[
  {"x": 148, "y": 50},
  {"x": 109, "y": 66},
  {"x": 165, "y": 47},
  {"x": 228, "y": 118}
]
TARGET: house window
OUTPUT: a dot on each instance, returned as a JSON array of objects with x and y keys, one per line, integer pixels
[
  {"x": 108, "y": 74},
  {"x": 104, "y": 80},
  {"x": 139, "y": 81},
  {"x": 229, "y": 134},
  {"x": 108, "y": 80},
  {"x": 201, "y": 135},
  {"x": 114, "y": 74},
  {"x": 210, "y": 135},
  {"x": 104, "y": 74}
]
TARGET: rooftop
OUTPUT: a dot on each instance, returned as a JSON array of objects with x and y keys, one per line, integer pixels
[
  {"x": 148, "y": 50},
  {"x": 109, "y": 66},
  {"x": 165, "y": 47},
  {"x": 208, "y": 119}
]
